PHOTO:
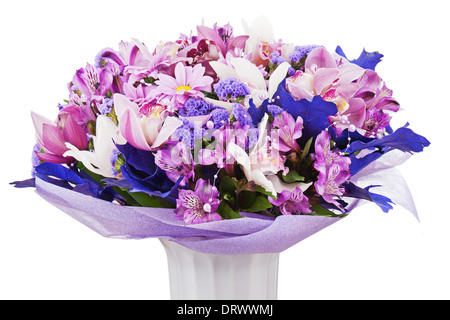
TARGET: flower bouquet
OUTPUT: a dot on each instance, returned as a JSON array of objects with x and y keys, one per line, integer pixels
[{"x": 222, "y": 146}]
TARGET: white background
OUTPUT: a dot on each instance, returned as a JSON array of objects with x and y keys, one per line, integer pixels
[{"x": 45, "y": 254}]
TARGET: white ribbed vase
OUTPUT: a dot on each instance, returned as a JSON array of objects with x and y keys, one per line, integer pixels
[{"x": 201, "y": 276}]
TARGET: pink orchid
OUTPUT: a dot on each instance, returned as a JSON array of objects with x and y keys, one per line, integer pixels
[
  {"x": 187, "y": 82},
  {"x": 145, "y": 132},
  {"x": 353, "y": 89},
  {"x": 52, "y": 138},
  {"x": 324, "y": 77}
]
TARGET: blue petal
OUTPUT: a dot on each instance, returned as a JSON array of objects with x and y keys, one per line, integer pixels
[
  {"x": 383, "y": 202},
  {"x": 58, "y": 171},
  {"x": 314, "y": 112},
  {"x": 367, "y": 60},
  {"x": 358, "y": 164},
  {"x": 141, "y": 173},
  {"x": 403, "y": 139},
  {"x": 66, "y": 177}
]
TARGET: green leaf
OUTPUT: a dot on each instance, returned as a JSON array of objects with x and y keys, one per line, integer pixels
[
  {"x": 264, "y": 191},
  {"x": 228, "y": 185},
  {"x": 146, "y": 200},
  {"x": 318, "y": 210},
  {"x": 246, "y": 198},
  {"x": 226, "y": 212},
  {"x": 292, "y": 176},
  {"x": 259, "y": 204},
  {"x": 306, "y": 149}
]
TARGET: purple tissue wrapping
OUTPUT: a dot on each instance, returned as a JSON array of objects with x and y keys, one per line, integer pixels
[{"x": 249, "y": 235}]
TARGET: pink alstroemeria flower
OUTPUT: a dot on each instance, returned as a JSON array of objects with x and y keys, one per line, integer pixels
[
  {"x": 292, "y": 202},
  {"x": 187, "y": 82},
  {"x": 145, "y": 132},
  {"x": 289, "y": 130},
  {"x": 200, "y": 205},
  {"x": 333, "y": 170},
  {"x": 176, "y": 160},
  {"x": 52, "y": 138}
]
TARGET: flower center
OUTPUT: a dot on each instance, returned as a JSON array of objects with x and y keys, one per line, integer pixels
[{"x": 185, "y": 88}]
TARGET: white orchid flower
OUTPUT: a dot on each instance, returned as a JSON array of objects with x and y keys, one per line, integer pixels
[
  {"x": 261, "y": 161},
  {"x": 98, "y": 161}
]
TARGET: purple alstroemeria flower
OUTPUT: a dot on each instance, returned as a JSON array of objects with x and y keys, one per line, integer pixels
[
  {"x": 291, "y": 203},
  {"x": 200, "y": 205},
  {"x": 376, "y": 122},
  {"x": 91, "y": 82},
  {"x": 333, "y": 168},
  {"x": 289, "y": 130},
  {"x": 176, "y": 161}
]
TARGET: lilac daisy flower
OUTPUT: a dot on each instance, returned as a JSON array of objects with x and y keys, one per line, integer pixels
[
  {"x": 187, "y": 82},
  {"x": 200, "y": 205}
]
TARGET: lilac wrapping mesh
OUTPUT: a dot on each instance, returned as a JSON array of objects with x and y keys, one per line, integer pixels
[{"x": 251, "y": 234}]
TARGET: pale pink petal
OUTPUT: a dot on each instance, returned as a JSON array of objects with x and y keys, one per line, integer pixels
[
  {"x": 170, "y": 125},
  {"x": 131, "y": 130},
  {"x": 321, "y": 58},
  {"x": 323, "y": 78},
  {"x": 211, "y": 34},
  {"x": 349, "y": 72},
  {"x": 122, "y": 103},
  {"x": 38, "y": 122},
  {"x": 347, "y": 90},
  {"x": 53, "y": 139},
  {"x": 301, "y": 87},
  {"x": 356, "y": 112},
  {"x": 180, "y": 74}
]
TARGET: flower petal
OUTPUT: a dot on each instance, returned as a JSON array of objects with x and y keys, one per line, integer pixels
[
  {"x": 277, "y": 76},
  {"x": 131, "y": 129},
  {"x": 323, "y": 78},
  {"x": 74, "y": 134},
  {"x": 38, "y": 122},
  {"x": 321, "y": 58},
  {"x": 249, "y": 73},
  {"x": 53, "y": 139},
  {"x": 122, "y": 103},
  {"x": 170, "y": 125}
]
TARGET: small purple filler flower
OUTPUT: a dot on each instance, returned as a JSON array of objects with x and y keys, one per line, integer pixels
[
  {"x": 291, "y": 203},
  {"x": 200, "y": 205},
  {"x": 230, "y": 88}
]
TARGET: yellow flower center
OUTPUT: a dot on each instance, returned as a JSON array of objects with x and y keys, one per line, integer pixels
[{"x": 185, "y": 88}]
